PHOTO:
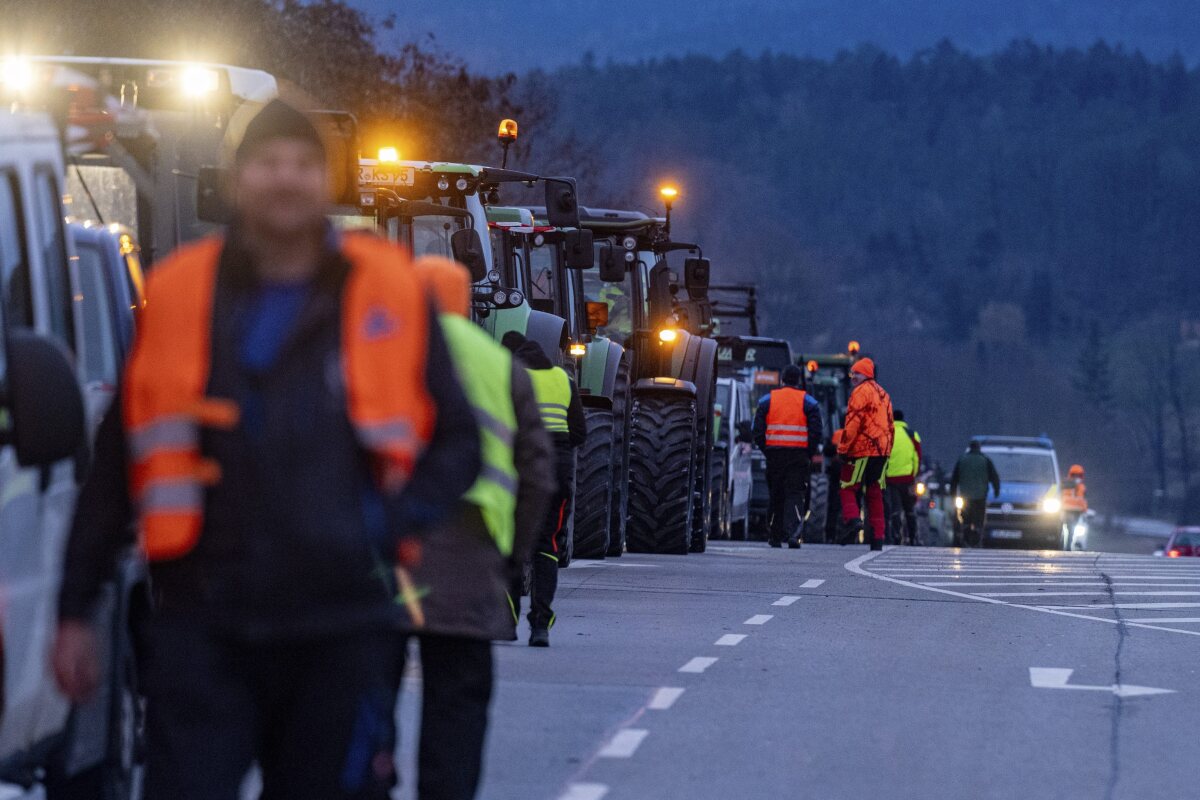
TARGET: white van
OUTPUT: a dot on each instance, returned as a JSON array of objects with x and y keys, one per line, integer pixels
[{"x": 42, "y": 451}]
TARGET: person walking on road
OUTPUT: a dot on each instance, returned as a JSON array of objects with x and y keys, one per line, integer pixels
[
  {"x": 902, "y": 468},
  {"x": 289, "y": 426},
  {"x": 865, "y": 445},
  {"x": 467, "y": 561},
  {"x": 969, "y": 482},
  {"x": 562, "y": 415},
  {"x": 788, "y": 430}
]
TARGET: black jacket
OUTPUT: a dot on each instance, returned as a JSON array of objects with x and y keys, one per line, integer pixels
[
  {"x": 533, "y": 356},
  {"x": 297, "y": 540}
]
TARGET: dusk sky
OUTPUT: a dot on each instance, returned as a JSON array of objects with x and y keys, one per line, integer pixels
[{"x": 500, "y": 36}]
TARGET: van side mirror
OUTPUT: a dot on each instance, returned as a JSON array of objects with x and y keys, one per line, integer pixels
[
  {"x": 612, "y": 263},
  {"x": 597, "y": 315},
  {"x": 695, "y": 277},
  {"x": 212, "y": 204},
  {"x": 578, "y": 250},
  {"x": 562, "y": 203},
  {"x": 468, "y": 251},
  {"x": 43, "y": 400}
]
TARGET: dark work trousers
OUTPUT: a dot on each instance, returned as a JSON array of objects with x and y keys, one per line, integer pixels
[
  {"x": 865, "y": 473},
  {"x": 315, "y": 714},
  {"x": 787, "y": 483},
  {"x": 551, "y": 542},
  {"x": 973, "y": 517},
  {"x": 902, "y": 513},
  {"x": 456, "y": 689}
]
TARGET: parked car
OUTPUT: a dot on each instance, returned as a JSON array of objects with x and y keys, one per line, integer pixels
[
  {"x": 1184, "y": 543},
  {"x": 50, "y": 343},
  {"x": 732, "y": 453}
]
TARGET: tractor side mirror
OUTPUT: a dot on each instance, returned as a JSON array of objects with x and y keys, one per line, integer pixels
[
  {"x": 468, "y": 251},
  {"x": 562, "y": 203},
  {"x": 612, "y": 263},
  {"x": 578, "y": 250},
  {"x": 45, "y": 406},
  {"x": 744, "y": 432},
  {"x": 597, "y": 315},
  {"x": 212, "y": 204},
  {"x": 695, "y": 277}
]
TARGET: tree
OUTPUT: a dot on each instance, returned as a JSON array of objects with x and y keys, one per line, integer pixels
[{"x": 1092, "y": 377}]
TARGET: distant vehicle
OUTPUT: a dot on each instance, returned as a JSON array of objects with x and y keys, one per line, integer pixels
[
  {"x": 1029, "y": 509},
  {"x": 88, "y": 750},
  {"x": 1184, "y": 543},
  {"x": 731, "y": 460}
]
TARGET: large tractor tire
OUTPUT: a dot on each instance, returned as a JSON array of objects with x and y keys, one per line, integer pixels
[
  {"x": 619, "y": 499},
  {"x": 593, "y": 485},
  {"x": 818, "y": 508},
  {"x": 719, "y": 526},
  {"x": 661, "y": 474}
]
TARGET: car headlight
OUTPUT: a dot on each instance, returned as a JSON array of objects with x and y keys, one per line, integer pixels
[
  {"x": 1051, "y": 505},
  {"x": 920, "y": 489},
  {"x": 958, "y": 503}
]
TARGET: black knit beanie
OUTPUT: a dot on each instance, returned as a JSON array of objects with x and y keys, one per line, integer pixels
[{"x": 278, "y": 120}]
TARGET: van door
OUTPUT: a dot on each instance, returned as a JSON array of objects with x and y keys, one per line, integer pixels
[{"x": 32, "y": 503}]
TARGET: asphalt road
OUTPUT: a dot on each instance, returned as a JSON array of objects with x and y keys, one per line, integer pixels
[{"x": 830, "y": 673}]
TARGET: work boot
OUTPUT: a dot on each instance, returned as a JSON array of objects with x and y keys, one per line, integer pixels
[
  {"x": 850, "y": 531},
  {"x": 794, "y": 543},
  {"x": 539, "y": 637},
  {"x": 876, "y": 544}
]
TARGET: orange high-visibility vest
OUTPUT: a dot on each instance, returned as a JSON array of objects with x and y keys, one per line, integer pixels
[
  {"x": 787, "y": 424},
  {"x": 1074, "y": 498},
  {"x": 384, "y": 339}
]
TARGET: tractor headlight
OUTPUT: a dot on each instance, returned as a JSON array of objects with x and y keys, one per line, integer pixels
[
  {"x": 668, "y": 335},
  {"x": 958, "y": 503},
  {"x": 578, "y": 349}
]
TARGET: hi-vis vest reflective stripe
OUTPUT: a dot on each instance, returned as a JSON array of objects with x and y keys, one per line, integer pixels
[
  {"x": 384, "y": 340},
  {"x": 787, "y": 424},
  {"x": 485, "y": 372},
  {"x": 903, "y": 461},
  {"x": 552, "y": 388}
]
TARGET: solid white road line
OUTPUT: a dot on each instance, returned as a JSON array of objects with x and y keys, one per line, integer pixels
[
  {"x": 730, "y": 639},
  {"x": 856, "y": 566},
  {"x": 1163, "y": 619},
  {"x": 584, "y": 791},
  {"x": 812, "y": 583},
  {"x": 698, "y": 664},
  {"x": 1081, "y": 594},
  {"x": 664, "y": 698},
  {"x": 759, "y": 619},
  {"x": 786, "y": 600},
  {"x": 1135, "y": 605},
  {"x": 624, "y": 744},
  {"x": 1062, "y": 584}
]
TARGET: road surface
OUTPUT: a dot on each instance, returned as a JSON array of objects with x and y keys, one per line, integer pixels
[{"x": 830, "y": 672}]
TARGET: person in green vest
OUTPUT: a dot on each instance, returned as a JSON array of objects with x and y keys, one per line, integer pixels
[
  {"x": 903, "y": 465},
  {"x": 462, "y": 579},
  {"x": 973, "y": 473},
  {"x": 562, "y": 415}
]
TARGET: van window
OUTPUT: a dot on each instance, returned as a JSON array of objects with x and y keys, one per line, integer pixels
[
  {"x": 101, "y": 360},
  {"x": 14, "y": 264},
  {"x": 49, "y": 212}
]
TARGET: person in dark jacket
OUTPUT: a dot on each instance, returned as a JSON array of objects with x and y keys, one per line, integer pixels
[
  {"x": 969, "y": 481},
  {"x": 788, "y": 429},
  {"x": 321, "y": 422},
  {"x": 466, "y": 561},
  {"x": 562, "y": 415}
]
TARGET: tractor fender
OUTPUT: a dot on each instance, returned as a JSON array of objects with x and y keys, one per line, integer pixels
[
  {"x": 599, "y": 372},
  {"x": 549, "y": 331}
]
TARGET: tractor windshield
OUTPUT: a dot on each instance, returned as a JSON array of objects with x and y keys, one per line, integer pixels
[
  {"x": 618, "y": 297},
  {"x": 430, "y": 236}
]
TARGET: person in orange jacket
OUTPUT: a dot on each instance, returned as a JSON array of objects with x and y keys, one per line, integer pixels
[
  {"x": 866, "y": 443},
  {"x": 1074, "y": 495}
]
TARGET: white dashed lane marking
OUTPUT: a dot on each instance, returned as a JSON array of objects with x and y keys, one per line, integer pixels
[
  {"x": 624, "y": 743},
  {"x": 698, "y": 664},
  {"x": 786, "y": 600},
  {"x": 664, "y": 698},
  {"x": 811, "y": 583},
  {"x": 1087, "y": 586},
  {"x": 584, "y": 791},
  {"x": 759, "y": 619},
  {"x": 730, "y": 639}
]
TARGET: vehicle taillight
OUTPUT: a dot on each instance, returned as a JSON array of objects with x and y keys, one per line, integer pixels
[{"x": 1173, "y": 553}]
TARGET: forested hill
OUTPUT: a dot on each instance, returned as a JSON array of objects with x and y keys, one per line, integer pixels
[{"x": 977, "y": 219}]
